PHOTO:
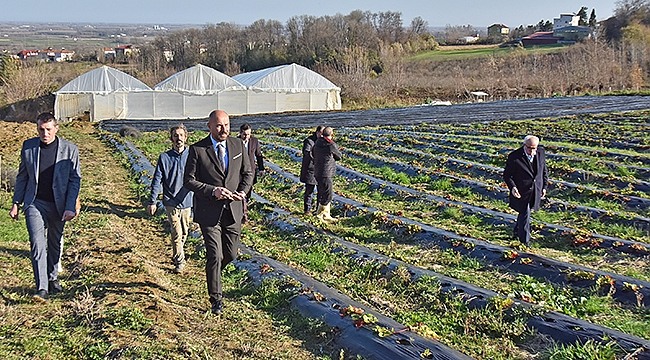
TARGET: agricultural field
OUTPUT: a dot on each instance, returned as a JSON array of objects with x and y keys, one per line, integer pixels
[
  {"x": 423, "y": 235},
  {"x": 420, "y": 263}
]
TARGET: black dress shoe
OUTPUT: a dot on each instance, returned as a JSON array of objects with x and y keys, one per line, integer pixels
[
  {"x": 41, "y": 296},
  {"x": 217, "y": 307},
  {"x": 54, "y": 287}
]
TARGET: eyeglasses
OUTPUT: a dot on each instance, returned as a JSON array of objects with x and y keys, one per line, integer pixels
[{"x": 531, "y": 147}]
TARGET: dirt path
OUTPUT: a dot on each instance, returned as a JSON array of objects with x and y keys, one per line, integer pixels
[{"x": 121, "y": 297}]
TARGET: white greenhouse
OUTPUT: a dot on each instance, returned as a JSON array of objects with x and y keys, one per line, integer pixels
[
  {"x": 289, "y": 88},
  {"x": 105, "y": 93},
  {"x": 193, "y": 93}
]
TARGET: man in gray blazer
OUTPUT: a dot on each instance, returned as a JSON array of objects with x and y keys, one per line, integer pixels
[
  {"x": 219, "y": 173},
  {"x": 47, "y": 186}
]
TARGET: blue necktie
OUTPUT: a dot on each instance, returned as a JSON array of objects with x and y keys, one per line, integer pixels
[{"x": 221, "y": 154}]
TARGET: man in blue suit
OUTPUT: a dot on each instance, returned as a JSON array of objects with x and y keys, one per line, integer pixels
[
  {"x": 527, "y": 178},
  {"x": 47, "y": 186}
]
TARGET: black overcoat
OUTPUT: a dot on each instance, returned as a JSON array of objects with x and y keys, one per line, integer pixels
[
  {"x": 529, "y": 178},
  {"x": 325, "y": 154}
]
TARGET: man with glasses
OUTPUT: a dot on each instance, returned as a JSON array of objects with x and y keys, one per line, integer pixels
[{"x": 527, "y": 178}]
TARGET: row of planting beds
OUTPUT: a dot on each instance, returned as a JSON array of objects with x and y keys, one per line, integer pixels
[{"x": 437, "y": 261}]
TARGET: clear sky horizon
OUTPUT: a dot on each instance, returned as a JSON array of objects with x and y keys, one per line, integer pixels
[{"x": 478, "y": 13}]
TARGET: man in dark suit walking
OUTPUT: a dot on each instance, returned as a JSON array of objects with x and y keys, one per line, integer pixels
[
  {"x": 219, "y": 173},
  {"x": 47, "y": 185},
  {"x": 527, "y": 178},
  {"x": 252, "y": 145}
]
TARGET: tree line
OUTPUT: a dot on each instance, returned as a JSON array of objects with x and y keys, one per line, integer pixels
[
  {"x": 305, "y": 40},
  {"x": 367, "y": 55}
]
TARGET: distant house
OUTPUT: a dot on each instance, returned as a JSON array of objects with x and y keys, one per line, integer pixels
[
  {"x": 26, "y": 54},
  {"x": 107, "y": 54},
  {"x": 124, "y": 51},
  {"x": 168, "y": 55},
  {"x": 573, "y": 34},
  {"x": 53, "y": 55},
  {"x": 469, "y": 39},
  {"x": 565, "y": 20},
  {"x": 498, "y": 32},
  {"x": 540, "y": 38}
]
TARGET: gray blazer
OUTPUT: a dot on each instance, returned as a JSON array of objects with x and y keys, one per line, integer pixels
[{"x": 67, "y": 175}]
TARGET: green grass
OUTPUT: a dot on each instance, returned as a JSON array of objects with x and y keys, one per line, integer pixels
[
  {"x": 589, "y": 350},
  {"x": 473, "y": 52}
]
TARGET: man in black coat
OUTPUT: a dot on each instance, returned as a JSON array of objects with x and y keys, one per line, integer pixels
[
  {"x": 252, "y": 145},
  {"x": 325, "y": 154},
  {"x": 527, "y": 178},
  {"x": 307, "y": 169}
]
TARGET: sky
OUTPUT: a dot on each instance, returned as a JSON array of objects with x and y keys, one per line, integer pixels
[{"x": 478, "y": 13}]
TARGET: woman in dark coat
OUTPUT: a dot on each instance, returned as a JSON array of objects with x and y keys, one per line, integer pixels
[
  {"x": 325, "y": 153},
  {"x": 307, "y": 170}
]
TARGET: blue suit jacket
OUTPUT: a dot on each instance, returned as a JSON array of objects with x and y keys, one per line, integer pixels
[{"x": 65, "y": 183}]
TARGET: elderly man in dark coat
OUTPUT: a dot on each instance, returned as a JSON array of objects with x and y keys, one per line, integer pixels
[
  {"x": 307, "y": 170},
  {"x": 527, "y": 178},
  {"x": 325, "y": 154}
]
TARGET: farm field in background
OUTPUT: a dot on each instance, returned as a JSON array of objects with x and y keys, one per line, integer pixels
[
  {"x": 458, "y": 52},
  {"x": 439, "y": 161}
]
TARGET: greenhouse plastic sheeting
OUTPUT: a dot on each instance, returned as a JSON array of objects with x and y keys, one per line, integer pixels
[{"x": 106, "y": 93}]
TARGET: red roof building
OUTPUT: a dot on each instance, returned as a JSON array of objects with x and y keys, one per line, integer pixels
[{"x": 540, "y": 38}]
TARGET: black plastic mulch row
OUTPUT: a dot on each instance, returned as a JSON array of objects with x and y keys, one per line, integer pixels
[
  {"x": 539, "y": 267},
  {"x": 494, "y": 217},
  {"x": 562, "y": 328},
  {"x": 414, "y": 115},
  {"x": 408, "y": 149}
]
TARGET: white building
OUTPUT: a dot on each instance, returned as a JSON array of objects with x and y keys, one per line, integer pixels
[{"x": 565, "y": 20}]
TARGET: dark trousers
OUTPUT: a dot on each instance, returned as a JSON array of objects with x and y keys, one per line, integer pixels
[
  {"x": 250, "y": 191},
  {"x": 308, "y": 197},
  {"x": 324, "y": 190},
  {"x": 522, "y": 226},
  {"x": 221, "y": 246},
  {"x": 45, "y": 230}
]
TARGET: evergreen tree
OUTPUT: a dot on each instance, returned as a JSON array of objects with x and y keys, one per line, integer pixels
[
  {"x": 592, "y": 18},
  {"x": 582, "y": 13}
]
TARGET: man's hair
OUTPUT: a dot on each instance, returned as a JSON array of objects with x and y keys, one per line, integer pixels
[
  {"x": 245, "y": 126},
  {"x": 528, "y": 138},
  {"x": 176, "y": 127},
  {"x": 328, "y": 131},
  {"x": 46, "y": 117}
]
